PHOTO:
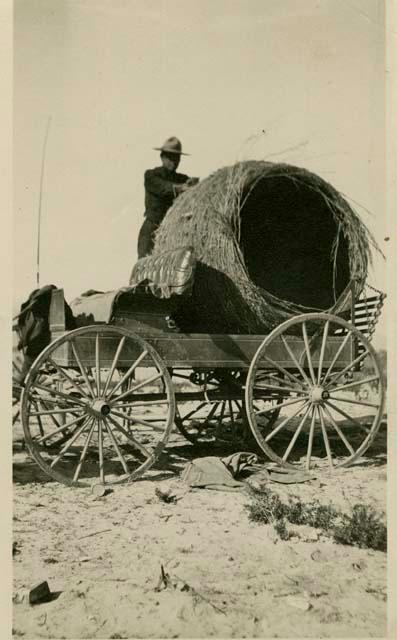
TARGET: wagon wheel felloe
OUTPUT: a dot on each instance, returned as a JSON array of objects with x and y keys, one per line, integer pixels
[
  {"x": 331, "y": 392},
  {"x": 98, "y": 406}
]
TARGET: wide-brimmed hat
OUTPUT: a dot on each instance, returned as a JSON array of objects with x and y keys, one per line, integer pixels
[{"x": 172, "y": 145}]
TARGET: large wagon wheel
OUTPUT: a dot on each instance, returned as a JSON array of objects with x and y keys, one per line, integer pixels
[
  {"x": 331, "y": 405},
  {"x": 91, "y": 413},
  {"x": 223, "y": 418}
]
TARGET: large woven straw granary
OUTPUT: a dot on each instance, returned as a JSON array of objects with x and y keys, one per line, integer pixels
[{"x": 271, "y": 240}]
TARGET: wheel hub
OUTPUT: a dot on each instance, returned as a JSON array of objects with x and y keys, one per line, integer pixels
[
  {"x": 318, "y": 394},
  {"x": 100, "y": 408}
]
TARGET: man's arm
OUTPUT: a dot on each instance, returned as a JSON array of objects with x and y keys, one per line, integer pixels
[{"x": 157, "y": 185}]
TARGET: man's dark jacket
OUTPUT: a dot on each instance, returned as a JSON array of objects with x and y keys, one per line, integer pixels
[{"x": 160, "y": 192}]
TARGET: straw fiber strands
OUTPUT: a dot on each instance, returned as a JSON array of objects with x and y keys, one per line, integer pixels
[{"x": 272, "y": 240}]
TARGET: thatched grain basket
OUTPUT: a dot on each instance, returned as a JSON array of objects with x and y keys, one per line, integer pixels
[{"x": 272, "y": 240}]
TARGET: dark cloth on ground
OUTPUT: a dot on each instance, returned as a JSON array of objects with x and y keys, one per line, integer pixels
[{"x": 212, "y": 472}]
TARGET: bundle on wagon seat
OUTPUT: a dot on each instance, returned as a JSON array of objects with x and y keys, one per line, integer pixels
[{"x": 271, "y": 240}]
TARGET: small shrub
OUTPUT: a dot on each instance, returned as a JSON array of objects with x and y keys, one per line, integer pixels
[
  {"x": 362, "y": 528},
  {"x": 313, "y": 515},
  {"x": 266, "y": 507},
  {"x": 280, "y": 528}
]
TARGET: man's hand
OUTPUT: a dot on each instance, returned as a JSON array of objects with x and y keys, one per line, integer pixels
[
  {"x": 180, "y": 188},
  {"x": 190, "y": 182}
]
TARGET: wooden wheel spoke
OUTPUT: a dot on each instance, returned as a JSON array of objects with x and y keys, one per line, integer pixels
[
  {"x": 84, "y": 452},
  {"x": 60, "y": 394},
  {"x": 239, "y": 408},
  {"x": 100, "y": 449},
  {"x": 61, "y": 428},
  {"x": 113, "y": 365},
  {"x": 98, "y": 369},
  {"x": 325, "y": 438},
  {"x": 353, "y": 384},
  {"x": 277, "y": 366},
  {"x": 69, "y": 443},
  {"x": 67, "y": 377},
  {"x": 296, "y": 434},
  {"x": 51, "y": 414},
  {"x": 138, "y": 386},
  {"x": 212, "y": 411},
  {"x": 281, "y": 404},
  {"x": 284, "y": 422},
  {"x": 81, "y": 367},
  {"x": 132, "y": 405},
  {"x": 130, "y": 438},
  {"x": 56, "y": 411},
  {"x": 231, "y": 413},
  {"x": 61, "y": 405},
  {"x": 294, "y": 359},
  {"x": 336, "y": 356},
  {"x": 256, "y": 408},
  {"x": 139, "y": 420},
  {"x": 308, "y": 354},
  {"x": 40, "y": 422},
  {"x": 359, "y": 402},
  {"x": 191, "y": 413},
  {"x": 348, "y": 417},
  {"x": 127, "y": 375},
  {"x": 222, "y": 414},
  {"x": 350, "y": 366},
  {"x": 322, "y": 351},
  {"x": 338, "y": 430},
  {"x": 116, "y": 447},
  {"x": 273, "y": 387},
  {"x": 311, "y": 436}
]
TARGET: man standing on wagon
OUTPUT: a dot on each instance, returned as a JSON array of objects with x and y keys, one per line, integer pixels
[{"x": 162, "y": 185}]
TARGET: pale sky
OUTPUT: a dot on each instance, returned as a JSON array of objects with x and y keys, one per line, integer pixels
[{"x": 298, "y": 81}]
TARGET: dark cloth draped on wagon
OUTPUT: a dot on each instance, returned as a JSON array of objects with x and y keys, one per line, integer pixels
[{"x": 271, "y": 241}]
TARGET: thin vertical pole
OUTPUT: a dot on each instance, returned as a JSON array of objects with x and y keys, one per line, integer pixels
[{"x": 40, "y": 200}]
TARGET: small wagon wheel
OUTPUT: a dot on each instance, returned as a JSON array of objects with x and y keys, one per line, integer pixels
[
  {"x": 219, "y": 416},
  {"x": 91, "y": 412},
  {"x": 332, "y": 392}
]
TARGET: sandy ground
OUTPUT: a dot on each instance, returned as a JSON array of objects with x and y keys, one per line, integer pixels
[{"x": 230, "y": 577}]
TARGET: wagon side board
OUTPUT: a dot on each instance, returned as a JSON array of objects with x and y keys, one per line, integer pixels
[{"x": 204, "y": 351}]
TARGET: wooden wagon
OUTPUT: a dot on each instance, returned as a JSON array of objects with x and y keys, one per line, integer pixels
[{"x": 100, "y": 401}]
